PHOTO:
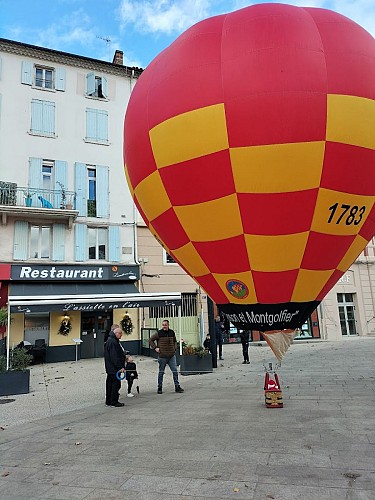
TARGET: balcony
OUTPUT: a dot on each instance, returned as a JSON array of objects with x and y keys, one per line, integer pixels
[{"x": 33, "y": 203}]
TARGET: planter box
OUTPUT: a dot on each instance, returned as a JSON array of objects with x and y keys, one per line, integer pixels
[
  {"x": 14, "y": 382},
  {"x": 192, "y": 365}
]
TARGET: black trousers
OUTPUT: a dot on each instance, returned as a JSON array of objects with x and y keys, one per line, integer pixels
[
  {"x": 245, "y": 351},
  {"x": 112, "y": 389},
  {"x": 130, "y": 384}
]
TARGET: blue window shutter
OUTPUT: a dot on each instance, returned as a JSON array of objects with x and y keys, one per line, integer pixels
[
  {"x": 58, "y": 242},
  {"x": 102, "y": 195},
  {"x": 80, "y": 178},
  {"x": 35, "y": 173},
  {"x": 49, "y": 117},
  {"x": 114, "y": 244},
  {"x": 27, "y": 73},
  {"x": 91, "y": 129},
  {"x": 90, "y": 83},
  {"x": 42, "y": 117},
  {"x": 36, "y": 116},
  {"x": 60, "y": 79},
  {"x": 20, "y": 240},
  {"x": 102, "y": 125},
  {"x": 80, "y": 242},
  {"x": 104, "y": 86},
  {"x": 60, "y": 171}
]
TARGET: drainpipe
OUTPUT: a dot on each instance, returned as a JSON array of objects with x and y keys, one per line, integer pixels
[{"x": 8, "y": 339}]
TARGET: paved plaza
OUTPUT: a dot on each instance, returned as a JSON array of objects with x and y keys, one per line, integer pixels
[{"x": 215, "y": 441}]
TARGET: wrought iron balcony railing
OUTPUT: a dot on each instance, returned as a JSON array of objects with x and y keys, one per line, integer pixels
[{"x": 16, "y": 196}]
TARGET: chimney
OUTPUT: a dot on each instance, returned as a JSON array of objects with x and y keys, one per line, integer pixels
[{"x": 118, "y": 58}]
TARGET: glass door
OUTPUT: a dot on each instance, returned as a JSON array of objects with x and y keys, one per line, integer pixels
[{"x": 347, "y": 313}]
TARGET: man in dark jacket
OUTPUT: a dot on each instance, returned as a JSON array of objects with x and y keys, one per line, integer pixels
[
  {"x": 114, "y": 360},
  {"x": 165, "y": 346}
]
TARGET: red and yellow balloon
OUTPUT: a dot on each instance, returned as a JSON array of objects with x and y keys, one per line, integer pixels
[{"x": 250, "y": 153}]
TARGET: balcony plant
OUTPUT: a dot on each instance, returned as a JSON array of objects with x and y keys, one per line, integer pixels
[
  {"x": 28, "y": 198},
  {"x": 17, "y": 379},
  {"x": 195, "y": 360}
]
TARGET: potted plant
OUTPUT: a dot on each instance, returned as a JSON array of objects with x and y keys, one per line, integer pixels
[
  {"x": 195, "y": 360},
  {"x": 63, "y": 195},
  {"x": 3, "y": 321},
  {"x": 28, "y": 198},
  {"x": 17, "y": 379}
]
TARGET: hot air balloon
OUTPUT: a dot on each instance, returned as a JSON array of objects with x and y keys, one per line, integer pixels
[{"x": 249, "y": 151}]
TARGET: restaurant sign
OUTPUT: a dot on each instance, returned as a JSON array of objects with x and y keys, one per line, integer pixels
[{"x": 74, "y": 273}]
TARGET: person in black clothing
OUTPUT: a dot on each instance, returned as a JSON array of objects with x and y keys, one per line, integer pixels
[
  {"x": 131, "y": 374},
  {"x": 207, "y": 342},
  {"x": 106, "y": 335},
  {"x": 114, "y": 360},
  {"x": 245, "y": 337},
  {"x": 219, "y": 326}
]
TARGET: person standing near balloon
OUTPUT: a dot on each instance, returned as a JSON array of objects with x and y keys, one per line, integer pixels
[
  {"x": 114, "y": 360},
  {"x": 219, "y": 326},
  {"x": 165, "y": 344},
  {"x": 245, "y": 337}
]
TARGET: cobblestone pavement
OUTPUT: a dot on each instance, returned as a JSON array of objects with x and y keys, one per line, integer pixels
[{"x": 215, "y": 441}]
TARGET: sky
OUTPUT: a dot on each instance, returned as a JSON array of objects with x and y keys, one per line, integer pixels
[{"x": 140, "y": 28}]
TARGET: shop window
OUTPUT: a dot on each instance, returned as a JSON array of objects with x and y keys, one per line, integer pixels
[{"x": 36, "y": 327}]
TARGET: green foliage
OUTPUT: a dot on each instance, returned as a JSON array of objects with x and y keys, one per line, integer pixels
[
  {"x": 3, "y": 364},
  {"x": 3, "y": 316},
  {"x": 65, "y": 327},
  {"x": 126, "y": 324},
  {"x": 190, "y": 350},
  {"x": 20, "y": 359}
]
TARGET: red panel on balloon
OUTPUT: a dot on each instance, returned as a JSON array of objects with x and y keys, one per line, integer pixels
[
  {"x": 277, "y": 213},
  {"x": 350, "y": 43},
  {"x": 276, "y": 118},
  {"x": 214, "y": 255},
  {"x": 273, "y": 288},
  {"x": 208, "y": 282},
  {"x": 334, "y": 249},
  {"x": 368, "y": 229},
  {"x": 168, "y": 225},
  {"x": 196, "y": 181},
  {"x": 138, "y": 205},
  {"x": 330, "y": 283},
  {"x": 351, "y": 159}
]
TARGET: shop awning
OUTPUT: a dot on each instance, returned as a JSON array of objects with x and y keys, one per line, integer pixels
[{"x": 65, "y": 297}]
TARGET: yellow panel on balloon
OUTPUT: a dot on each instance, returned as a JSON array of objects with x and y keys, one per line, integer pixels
[
  {"x": 276, "y": 253},
  {"x": 128, "y": 180},
  {"x": 249, "y": 297},
  {"x": 189, "y": 258},
  {"x": 277, "y": 168},
  {"x": 340, "y": 213},
  {"x": 351, "y": 120},
  {"x": 154, "y": 198},
  {"x": 213, "y": 220},
  {"x": 309, "y": 284},
  {"x": 354, "y": 250},
  {"x": 189, "y": 135}
]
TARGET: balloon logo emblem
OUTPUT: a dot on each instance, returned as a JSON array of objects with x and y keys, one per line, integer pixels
[{"x": 238, "y": 289}]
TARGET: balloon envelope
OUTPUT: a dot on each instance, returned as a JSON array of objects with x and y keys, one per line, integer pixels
[{"x": 249, "y": 150}]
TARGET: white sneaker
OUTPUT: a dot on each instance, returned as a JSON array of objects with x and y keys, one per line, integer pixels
[{"x": 130, "y": 395}]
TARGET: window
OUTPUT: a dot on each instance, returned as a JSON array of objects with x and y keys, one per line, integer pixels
[
  {"x": 91, "y": 192},
  {"x": 47, "y": 175},
  {"x": 169, "y": 259},
  {"x": 96, "y": 126},
  {"x": 347, "y": 314},
  {"x": 97, "y": 243},
  {"x": 40, "y": 242},
  {"x": 42, "y": 118},
  {"x": 96, "y": 86},
  {"x": 44, "y": 77}
]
